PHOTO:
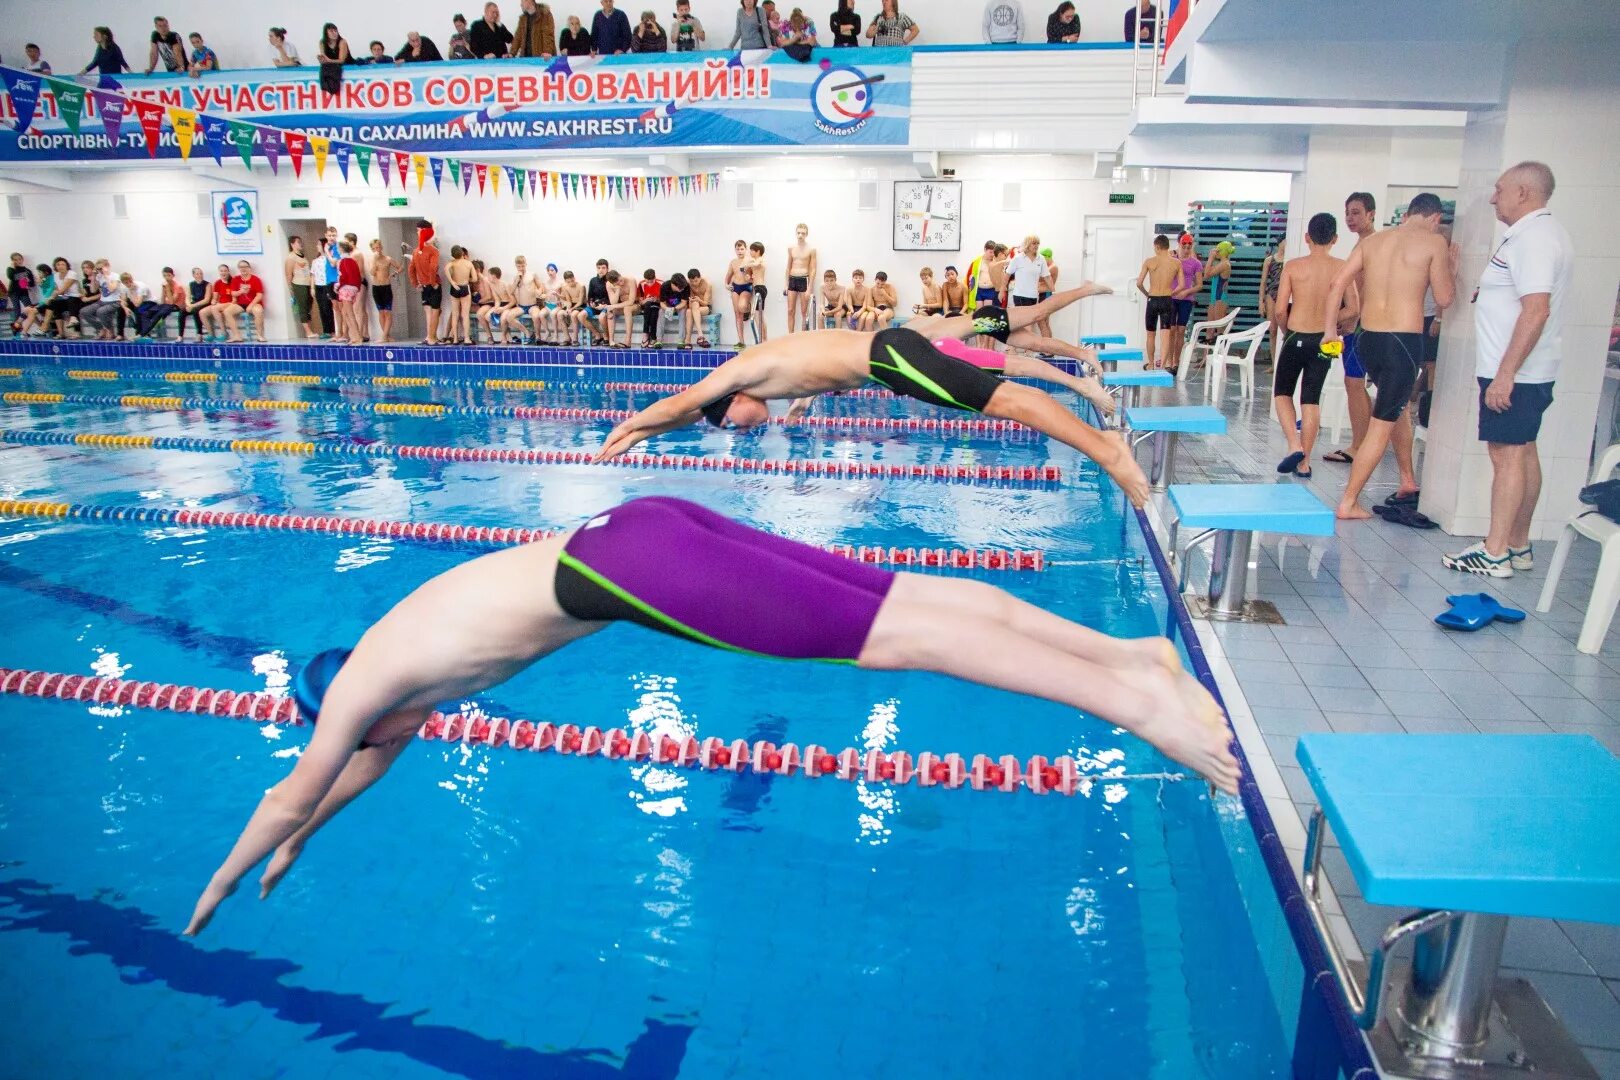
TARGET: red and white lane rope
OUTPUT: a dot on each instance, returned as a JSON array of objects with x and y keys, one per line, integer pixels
[{"x": 1062, "y": 774}]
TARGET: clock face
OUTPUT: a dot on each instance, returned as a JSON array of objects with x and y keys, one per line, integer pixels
[{"x": 928, "y": 215}]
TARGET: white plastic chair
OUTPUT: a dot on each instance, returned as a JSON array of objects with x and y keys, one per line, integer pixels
[
  {"x": 1222, "y": 355},
  {"x": 1605, "y": 596},
  {"x": 1194, "y": 342}
]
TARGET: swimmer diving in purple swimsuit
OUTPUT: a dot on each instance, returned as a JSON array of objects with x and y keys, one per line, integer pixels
[{"x": 680, "y": 569}]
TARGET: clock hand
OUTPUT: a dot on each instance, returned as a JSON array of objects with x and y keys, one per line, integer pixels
[
  {"x": 934, "y": 217},
  {"x": 930, "y": 205}
]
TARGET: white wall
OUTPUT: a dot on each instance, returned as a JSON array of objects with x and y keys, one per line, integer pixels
[
  {"x": 1056, "y": 195},
  {"x": 62, "y": 27}
]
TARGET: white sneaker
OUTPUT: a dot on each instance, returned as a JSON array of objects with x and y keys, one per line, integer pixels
[
  {"x": 1522, "y": 558},
  {"x": 1474, "y": 559}
]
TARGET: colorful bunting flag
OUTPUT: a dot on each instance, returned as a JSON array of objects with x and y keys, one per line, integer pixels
[
  {"x": 517, "y": 181},
  {"x": 437, "y": 167},
  {"x": 482, "y": 171},
  {"x": 150, "y": 114},
  {"x": 342, "y": 151},
  {"x": 69, "y": 101},
  {"x": 362, "y": 158},
  {"x": 111, "y": 108},
  {"x": 467, "y": 179},
  {"x": 23, "y": 89},
  {"x": 184, "y": 122},
  {"x": 533, "y": 187},
  {"x": 419, "y": 166},
  {"x": 213, "y": 133},
  {"x": 242, "y": 135},
  {"x": 296, "y": 141},
  {"x": 402, "y": 164},
  {"x": 385, "y": 165},
  {"x": 320, "y": 146},
  {"x": 273, "y": 142},
  {"x": 494, "y": 180},
  {"x": 455, "y": 172}
]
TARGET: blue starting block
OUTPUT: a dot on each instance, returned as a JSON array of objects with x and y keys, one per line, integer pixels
[
  {"x": 1162, "y": 424},
  {"x": 1232, "y": 514},
  {"x": 1471, "y": 830},
  {"x": 1127, "y": 385},
  {"x": 1101, "y": 340},
  {"x": 1111, "y": 359}
]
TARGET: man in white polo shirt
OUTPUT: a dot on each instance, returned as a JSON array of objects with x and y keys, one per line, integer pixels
[{"x": 1519, "y": 323}]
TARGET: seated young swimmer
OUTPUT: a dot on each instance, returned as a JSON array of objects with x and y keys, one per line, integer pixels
[
  {"x": 682, "y": 570},
  {"x": 803, "y": 366}
]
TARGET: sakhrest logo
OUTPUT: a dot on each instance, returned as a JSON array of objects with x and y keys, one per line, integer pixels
[{"x": 843, "y": 98}]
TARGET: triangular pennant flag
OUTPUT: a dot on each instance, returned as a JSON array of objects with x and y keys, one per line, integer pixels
[
  {"x": 483, "y": 172},
  {"x": 150, "y": 114},
  {"x": 362, "y": 158},
  {"x": 296, "y": 141},
  {"x": 69, "y": 101},
  {"x": 320, "y": 146},
  {"x": 342, "y": 151},
  {"x": 533, "y": 182},
  {"x": 467, "y": 178},
  {"x": 578, "y": 184},
  {"x": 184, "y": 122},
  {"x": 419, "y": 166},
  {"x": 545, "y": 184},
  {"x": 23, "y": 89},
  {"x": 402, "y": 164},
  {"x": 494, "y": 180},
  {"x": 242, "y": 135},
  {"x": 385, "y": 165},
  {"x": 111, "y": 108},
  {"x": 517, "y": 181},
  {"x": 436, "y": 166},
  {"x": 593, "y": 188},
  {"x": 455, "y": 172},
  {"x": 213, "y": 133},
  {"x": 273, "y": 143}
]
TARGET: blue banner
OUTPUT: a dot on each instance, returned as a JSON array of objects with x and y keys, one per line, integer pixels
[{"x": 840, "y": 97}]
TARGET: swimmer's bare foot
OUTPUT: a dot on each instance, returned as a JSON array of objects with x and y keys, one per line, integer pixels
[
  {"x": 1352, "y": 512},
  {"x": 1092, "y": 390},
  {"x": 1183, "y": 722},
  {"x": 1148, "y": 652},
  {"x": 1118, "y": 462}
]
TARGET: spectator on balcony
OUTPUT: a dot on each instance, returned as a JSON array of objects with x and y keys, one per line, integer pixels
[
  {"x": 753, "y": 29},
  {"x": 378, "y": 54},
  {"x": 797, "y": 31},
  {"x": 283, "y": 53},
  {"x": 610, "y": 31},
  {"x": 575, "y": 40},
  {"x": 36, "y": 62},
  {"x": 773, "y": 18},
  {"x": 1140, "y": 21},
  {"x": 536, "y": 34},
  {"x": 688, "y": 28},
  {"x": 202, "y": 57},
  {"x": 845, "y": 25},
  {"x": 891, "y": 27},
  {"x": 1063, "y": 25},
  {"x": 109, "y": 58},
  {"x": 333, "y": 54},
  {"x": 1003, "y": 22},
  {"x": 166, "y": 49},
  {"x": 489, "y": 39},
  {"x": 417, "y": 50},
  {"x": 649, "y": 36},
  {"x": 459, "y": 45}
]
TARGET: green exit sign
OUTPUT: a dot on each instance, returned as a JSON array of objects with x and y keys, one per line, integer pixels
[
  {"x": 300, "y": 204},
  {"x": 1121, "y": 198},
  {"x": 399, "y": 200}
]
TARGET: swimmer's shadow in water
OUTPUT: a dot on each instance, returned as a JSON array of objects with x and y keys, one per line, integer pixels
[{"x": 144, "y": 953}]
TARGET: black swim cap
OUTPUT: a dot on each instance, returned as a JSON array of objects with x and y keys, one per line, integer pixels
[{"x": 715, "y": 411}]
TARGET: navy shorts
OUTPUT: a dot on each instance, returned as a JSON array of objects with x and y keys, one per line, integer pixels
[
  {"x": 1521, "y": 423},
  {"x": 1352, "y": 356},
  {"x": 1183, "y": 312}
]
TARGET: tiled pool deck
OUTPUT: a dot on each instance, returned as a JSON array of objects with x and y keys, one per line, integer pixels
[{"x": 1360, "y": 653}]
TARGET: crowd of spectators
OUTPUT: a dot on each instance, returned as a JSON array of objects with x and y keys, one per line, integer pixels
[
  {"x": 52, "y": 300},
  {"x": 539, "y": 33}
]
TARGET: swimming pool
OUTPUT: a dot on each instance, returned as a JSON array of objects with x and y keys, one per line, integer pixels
[{"x": 486, "y": 913}]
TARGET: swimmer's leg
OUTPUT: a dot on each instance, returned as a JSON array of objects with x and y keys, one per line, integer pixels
[
  {"x": 1020, "y": 317},
  {"x": 1041, "y": 411},
  {"x": 1033, "y": 367},
  {"x": 1182, "y": 721}
]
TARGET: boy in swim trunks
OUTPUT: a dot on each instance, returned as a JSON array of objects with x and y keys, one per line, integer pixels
[
  {"x": 1359, "y": 219},
  {"x": 756, "y": 277},
  {"x": 1304, "y": 283},
  {"x": 899, "y": 358},
  {"x": 1157, "y": 279},
  {"x": 801, "y": 271},
  {"x": 740, "y": 282},
  {"x": 699, "y": 306},
  {"x": 685, "y": 571},
  {"x": 834, "y": 300},
  {"x": 1396, "y": 267}
]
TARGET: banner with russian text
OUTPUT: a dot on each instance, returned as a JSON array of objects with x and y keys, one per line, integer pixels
[{"x": 841, "y": 97}]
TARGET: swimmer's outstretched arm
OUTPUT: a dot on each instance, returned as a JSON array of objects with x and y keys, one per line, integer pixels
[
  {"x": 677, "y": 411},
  {"x": 287, "y": 807},
  {"x": 799, "y": 407}
]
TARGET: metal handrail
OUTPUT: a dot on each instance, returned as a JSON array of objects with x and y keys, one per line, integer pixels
[
  {"x": 1181, "y": 556},
  {"x": 1363, "y": 1002}
]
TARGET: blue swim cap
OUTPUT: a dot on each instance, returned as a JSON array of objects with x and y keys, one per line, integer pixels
[{"x": 309, "y": 689}]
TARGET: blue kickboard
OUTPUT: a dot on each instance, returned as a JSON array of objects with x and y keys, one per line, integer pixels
[
  {"x": 1499, "y": 824},
  {"x": 1138, "y": 378},
  {"x": 1102, "y": 339},
  {"x": 1280, "y": 508},
  {"x": 1186, "y": 419}
]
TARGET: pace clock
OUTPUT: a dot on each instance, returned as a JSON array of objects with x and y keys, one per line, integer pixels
[{"x": 928, "y": 215}]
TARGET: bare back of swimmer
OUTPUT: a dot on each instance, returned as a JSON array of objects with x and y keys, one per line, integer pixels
[
  {"x": 714, "y": 582},
  {"x": 805, "y": 365}
]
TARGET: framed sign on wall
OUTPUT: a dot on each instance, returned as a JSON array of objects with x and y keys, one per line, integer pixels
[
  {"x": 236, "y": 223},
  {"x": 928, "y": 215}
]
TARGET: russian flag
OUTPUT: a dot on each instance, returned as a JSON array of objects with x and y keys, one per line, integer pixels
[{"x": 1177, "y": 19}]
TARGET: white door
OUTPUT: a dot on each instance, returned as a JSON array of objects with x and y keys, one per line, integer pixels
[{"x": 1115, "y": 248}]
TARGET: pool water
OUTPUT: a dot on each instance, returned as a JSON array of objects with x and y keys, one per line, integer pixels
[{"x": 485, "y": 913}]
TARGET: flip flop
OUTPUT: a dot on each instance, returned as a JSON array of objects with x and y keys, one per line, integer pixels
[
  {"x": 1306, "y": 475},
  {"x": 1475, "y": 611},
  {"x": 1490, "y": 604},
  {"x": 1410, "y": 498},
  {"x": 1291, "y": 462},
  {"x": 1405, "y": 514},
  {"x": 1338, "y": 457}
]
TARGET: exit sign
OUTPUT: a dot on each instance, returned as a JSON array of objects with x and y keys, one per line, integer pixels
[
  {"x": 399, "y": 200},
  {"x": 1121, "y": 197},
  {"x": 300, "y": 204}
]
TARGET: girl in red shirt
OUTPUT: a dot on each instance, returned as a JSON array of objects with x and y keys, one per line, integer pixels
[
  {"x": 214, "y": 316},
  {"x": 348, "y": 296},
  {"x": 247, "y": 294}
]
